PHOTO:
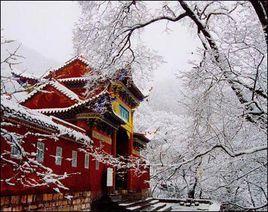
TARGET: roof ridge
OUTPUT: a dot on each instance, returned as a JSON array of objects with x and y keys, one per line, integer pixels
[
  {"x": 63, "y": 89},
  {"x": 79, "y": 57},
  {"x": 58, "y": 86},
  {"x": 16, "y": 110},
  {"x": 65, "y": 109},
  {"x": 32, "y": 93},
  {"x": 25, "y": 74},
  {"x": 73, "y": 79}
]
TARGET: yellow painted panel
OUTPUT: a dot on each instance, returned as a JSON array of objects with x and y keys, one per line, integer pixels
[
  {"x": 129, "y": 125},
  {"x": 135, "y": 152}
]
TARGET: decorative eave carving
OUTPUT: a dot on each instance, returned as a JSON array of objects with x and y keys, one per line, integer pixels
[
  {"x": 123, "y": 92},
  {"x": 101, "y": 121}
]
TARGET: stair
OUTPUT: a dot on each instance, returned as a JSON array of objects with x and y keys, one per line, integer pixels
[
  {"x": 166, "y": 208},
  {"x": 133, "y": 203},
  {"x": 155, "y": 207},
  {"x": 116, "y": 197},
  {"x": 129, "y": 202},
  {"x": 118, "y": 202},
  {"x": 148, "y": 204},
  {"x": 142, "y": 206}
]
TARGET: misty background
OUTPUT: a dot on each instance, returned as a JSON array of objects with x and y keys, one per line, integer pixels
[{"x": 44, "y": 31}]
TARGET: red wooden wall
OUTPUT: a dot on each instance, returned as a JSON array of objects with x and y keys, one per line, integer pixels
[
  {"x": 77, "y": 182},
  {"x": 85, "y": 179},
  {"x": 51, "y": 97}
]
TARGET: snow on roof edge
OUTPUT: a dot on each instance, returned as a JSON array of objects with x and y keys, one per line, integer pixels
[
  {"x": 16, "y": 110},
  {"x": 73, "y": 79},
  {"x": 64, "y": 90},
  {"x": 34, "y": 92},
  {"x": 65, "y": 109},
  {"x": 24, "y": 74},
  {"x": 79, "y": 57}
]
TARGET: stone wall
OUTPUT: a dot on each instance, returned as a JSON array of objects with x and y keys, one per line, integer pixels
[{"x": 51, "y": 202}]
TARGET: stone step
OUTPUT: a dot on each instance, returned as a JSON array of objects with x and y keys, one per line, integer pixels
[
  {"x": 166, "y": 208},
  {"x": 134, "y": 203},
  {"x": 116, "y": 197},
  {"x": 142, "y": 205},
  {"x": 155, "y": 207}
]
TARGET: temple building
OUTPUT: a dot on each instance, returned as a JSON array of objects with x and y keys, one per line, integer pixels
[{"x": 78, "y": 128}]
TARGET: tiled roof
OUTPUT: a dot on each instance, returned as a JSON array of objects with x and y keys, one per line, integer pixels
[
  {"x": 24, "y": 74},
  {"x": 64, "y": 90},
  {"x": 76, "y": 105},
  {"x": 12, "y": 109},
  {"x": 142, "y": 137},
  {"x": 125, "y": 77},
  {"x": 81, "y": 58},
  {"x": 74, "y": 79}
]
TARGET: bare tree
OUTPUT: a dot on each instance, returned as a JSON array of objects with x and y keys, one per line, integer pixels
[
  {"x": 227, "y": 96},
  {"x": 114, "y": 33}
]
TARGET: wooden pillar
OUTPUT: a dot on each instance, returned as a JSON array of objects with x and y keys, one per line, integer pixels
[
  {"x": 130, "y": 187},
  {"x": 131, "y": 134},
  {"x": 91, "y": 167},
  {"x": 114, "y": 143},
  {"x": 114, "y": 154},
  {"x": 130, "y": 148}
]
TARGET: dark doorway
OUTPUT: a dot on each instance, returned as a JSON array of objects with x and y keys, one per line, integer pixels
[{"x": 122, "y": 142}]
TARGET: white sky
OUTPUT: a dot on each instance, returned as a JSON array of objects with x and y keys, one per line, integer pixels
[{"x": 46, "y": 27}]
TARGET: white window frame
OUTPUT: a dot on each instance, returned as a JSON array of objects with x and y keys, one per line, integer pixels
[
  {"x": 15, "y": 152},
  {"x": 124, "y": 109},
  {"x": 86, "y": 161},
  {"x": 74, "y": 158},
  {"x": 58, "y": 158},
  {"x": 97, "y": 164},
  {"x": 40, "y": 151}
]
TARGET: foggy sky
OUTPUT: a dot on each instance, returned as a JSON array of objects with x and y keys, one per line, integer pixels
[
  {"x": 43, "y": 26},
  {"x": 47, "y": 28}
]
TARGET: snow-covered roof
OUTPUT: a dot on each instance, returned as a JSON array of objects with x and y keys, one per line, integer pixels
[
  {"x": 80, "y": 57},
  {"x": 66, "y": 109},
  {"x": 141, "y": 137},
  {"x": 11, "y": 86},
  {"x": 12, "y": 109},
  {"x": 55, "y": 119},
  {"x": 39, "y": 88},
  {"x": 67, "y": 92},
  {"x": 75, "y": 79},
  {"x": 125, "y": 77},
  {"x": 150, "y": 135},
  {"x": 24, "y": 74}
]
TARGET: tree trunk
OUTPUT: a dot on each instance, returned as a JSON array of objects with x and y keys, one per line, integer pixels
[
  {"x": 261, "y": 8},
  {"x": 254, "y": 113}
]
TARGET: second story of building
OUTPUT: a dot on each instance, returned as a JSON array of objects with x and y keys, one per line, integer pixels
[{"x": 76, "y": 84}]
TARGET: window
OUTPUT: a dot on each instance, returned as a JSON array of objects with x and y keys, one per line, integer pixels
[
  {"x": 124, "y": 113},
  {"x": 74, "y": 158},
  {"x": 15, "y": 152},
  {"x": 58, "y": 158},
  {"x": 40, "y": 151},
  {"x": 86, "y": 161},
  {"x": 97, "y": 164}
]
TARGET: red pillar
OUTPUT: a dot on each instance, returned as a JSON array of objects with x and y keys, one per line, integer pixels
[
  {"x": 130, "y": 183},
  {"x": 114, "y": 154}
]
